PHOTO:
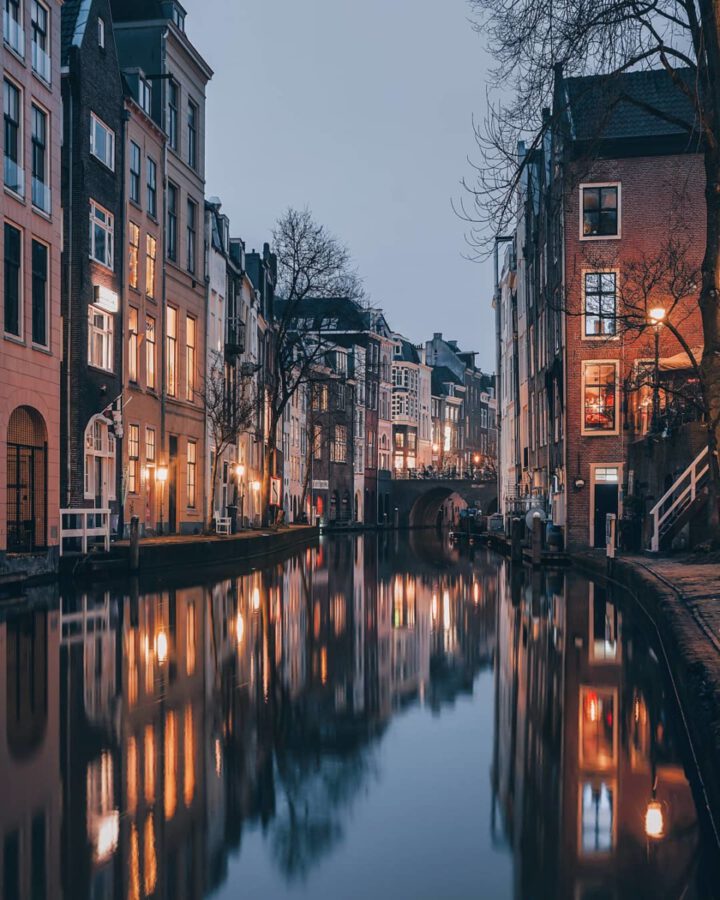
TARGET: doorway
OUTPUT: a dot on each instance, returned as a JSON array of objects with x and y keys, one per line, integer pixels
[
  {"x": 172, "y": 484},
  {"x": 26, "y": 481},
  {"x": 606, "y": 499}
]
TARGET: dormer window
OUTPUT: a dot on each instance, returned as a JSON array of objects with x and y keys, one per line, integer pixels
[
  {"x": 178, "y": 17},
  {"x": 145, "y": 95}
]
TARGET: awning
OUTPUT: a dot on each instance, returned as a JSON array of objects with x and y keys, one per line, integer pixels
[{"x": 680, "y": 361}]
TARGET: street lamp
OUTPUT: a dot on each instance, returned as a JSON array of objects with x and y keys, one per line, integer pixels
[
  {"x": 240, "y": 475},
  {"x": 161, "y": 475},
  {"x": 656, "y": 317},
  {"x": 654, "y": 820}
]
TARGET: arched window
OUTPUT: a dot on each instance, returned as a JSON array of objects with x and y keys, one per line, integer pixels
[
  {"x": 26, "y": 481},
  {"x": 99, "y": 462}
]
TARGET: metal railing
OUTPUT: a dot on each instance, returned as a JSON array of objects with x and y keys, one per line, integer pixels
[
  {"x": 13, "y": 34},
  {"x": 86, "y": 527},
  {"x": 678, "y": 498},
  {"x": 14, "y": 176},
  {"x": 41, "y": 63},
  {"x": 41, "y": 196}
]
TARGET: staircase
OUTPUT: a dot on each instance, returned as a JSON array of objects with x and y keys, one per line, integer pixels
[{"x": 683, "y": 499}]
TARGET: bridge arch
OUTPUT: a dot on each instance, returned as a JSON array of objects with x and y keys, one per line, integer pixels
[{"x": 416, "y": 502}]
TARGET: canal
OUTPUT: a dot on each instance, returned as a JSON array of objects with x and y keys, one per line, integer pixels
[{"x": 374, "y": 717}]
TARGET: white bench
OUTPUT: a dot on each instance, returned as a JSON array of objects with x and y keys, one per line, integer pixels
[{"x": 223, "y": 524}]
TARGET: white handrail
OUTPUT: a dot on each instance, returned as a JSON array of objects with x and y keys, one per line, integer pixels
[
  {"x": 695, "y": 472},
  {"x": 86, "y": 530}
]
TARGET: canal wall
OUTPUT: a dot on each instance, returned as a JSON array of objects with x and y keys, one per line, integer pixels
[{"x": 690, "y": 645}]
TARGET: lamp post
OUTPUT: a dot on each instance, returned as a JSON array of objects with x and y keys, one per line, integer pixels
[
  {"x": 240, "y": 476},
  {"x": 161, "y": 475},
  {"x": 656, "y": 317}
]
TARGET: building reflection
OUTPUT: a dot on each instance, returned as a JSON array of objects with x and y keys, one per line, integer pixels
[{"x": 588, "y": 776}]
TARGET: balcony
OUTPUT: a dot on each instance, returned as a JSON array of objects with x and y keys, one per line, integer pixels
[
  {"x": 41, "y": 196},
  {"x": 14, "y": 177},
  {"x": 41, "y": 63},
  {"x": 13, "y": 34},
  {"x": 235, "y": 338}
]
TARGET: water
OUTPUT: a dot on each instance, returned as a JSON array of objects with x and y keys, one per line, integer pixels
[{"x": 382, "y": 718}]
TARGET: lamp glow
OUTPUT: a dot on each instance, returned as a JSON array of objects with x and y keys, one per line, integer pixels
[
  {"x": 657, "y": 315},
  {"x": 161, "y": 474},
  {"x": 654, "y": 820},
  {"x": 240, "y": 470},
  {"x": 161, "y": 647},
  {"x": 256, "y": 486}
]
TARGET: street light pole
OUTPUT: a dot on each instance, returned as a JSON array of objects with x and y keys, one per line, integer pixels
[{"x": 656, "y": 316}]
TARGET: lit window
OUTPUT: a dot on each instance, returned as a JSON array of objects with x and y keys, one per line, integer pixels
[
  {"x": 134, "y": 172},
  {"x": 338, "y": 448},
  {"x": 600, "y": 389},
  {"x": 102, "y": 141},
  {"x": 100, "y": 339},
  {"x": 150, "y": 259},
  {"x": 191, "y": 464},
  {"x": 600, "y": 211},
  {"x": 101, "y": 235},
  {"x": 133, "y": 254},
  {"x": 150, "y": 352},
  {"x": 599, "y": 303},
  {"x": 597, "y": 812},
  {"x": 597, "y": 727},
  {"x": 133, "y": 344},
  {"x": 150, "y": 445},
  {"x": 133, "y": 458},
  {"x": 317, "y": 441},
  {"x": 171, "y": 351},
  {"x": 191, "y": 329}
]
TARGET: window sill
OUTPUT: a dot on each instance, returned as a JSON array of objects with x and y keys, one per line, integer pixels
[
  {"x": 43, "y": 81},
  {"x": 42, "y": 213},
  {"x": 20, "y": 57},
  {"x": 151, "y": 299},
  {"x": 153, "y": 218},
  {"x": 584, "y": 433},
  {"x": 600, "y": 237},
  {"x": 102, "y": 163},
  {"x": 100, "y": 369},
  {"x": 41, "y": 348},
  {"x": 135, "y": 289},
  {"x": 14, "y": 338},
  {"x": 135, "y": 203},
  {"x": 104, "y": 265},
  {"x": 19, "y": 197},
  {"x": 600, "y": 337}
]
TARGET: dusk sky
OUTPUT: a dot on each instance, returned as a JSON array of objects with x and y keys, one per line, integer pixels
[{"x": 363, "y": 113}]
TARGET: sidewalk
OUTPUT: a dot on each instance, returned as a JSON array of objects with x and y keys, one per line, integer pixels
[{"x": 682, "y": 596}]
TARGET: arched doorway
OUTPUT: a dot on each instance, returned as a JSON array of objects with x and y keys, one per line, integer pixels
[
  {"x": 99, "y": 462},
  {"x": 26, "y": 481}
]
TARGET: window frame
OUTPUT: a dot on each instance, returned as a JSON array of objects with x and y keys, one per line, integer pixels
[
  {"x": 172, "y": 222},
  {"x": 133, "y": 255},
  {"x": 190, "y": 358},
  {"x": 109, "y": 228},
  {"x": 108, "y": 339},
  {"x": 19, "y": 335},
  {"x": 18, "y": 125},
  {"x": 173, "y": 114},
  {"x": 135, "y": 175},
  {"x": 36, "y": 147},
  {"x": 46, "y": 36},
  {"x": 193, "y": 117},
  {"x": 592, "y": 432},
  {"x": 191, "y": 468},
  {"x": 150, "y": 265},
  {"x": 151, "y": 353},
  {"x": 600, "y": 184},
  {"x": 171, "y": 352},
  {"x": 95, "y": 122},
  {"x": 133, "y": 482},
  {"x": 45, "y": 344},
  {"x": 151, "y": 181},
  {"x": 101, "y": 32},
  {"x": 602, "y": 336},
  {"x": 133, "y": 345},
  {"x": 191, "y": 235}
]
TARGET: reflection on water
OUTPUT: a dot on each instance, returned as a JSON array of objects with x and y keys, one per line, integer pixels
[{"x": 369, "y": 717}]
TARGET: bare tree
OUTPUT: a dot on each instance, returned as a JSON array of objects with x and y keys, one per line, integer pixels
[
  {"x": 312, "y": 264},
  {"x": 530, "y": 38},
  {"x": 230, "y": 408}
]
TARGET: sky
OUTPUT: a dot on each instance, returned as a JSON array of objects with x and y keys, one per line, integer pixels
[{"x": 363, "y": 113}]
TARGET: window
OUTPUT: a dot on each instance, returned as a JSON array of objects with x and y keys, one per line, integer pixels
[
  {"x": 134, "y": 172},
  {"x": 132, "y": 344},
  {"x": 598, "y": 727},
  {"x": 145, "y": 95},
  {"x": 13, "y": 33},
  {"x": 39, "y": 294},
  {"x": 100, "y": 339},
  {"x": 40, "y": 190},
  {"x": 599, "y": 304},
  {"x": 399, "y": 439},
  {"x": 600, "y": 211},
  {"x": 101, "y": 32},
  {"x": 150, "y": 445},
  {"x": 133, "y": 458},
  {"x": 152, "y": 187},
  {"x": 102, "y": 142},
  {"x": 597, "y": 818},
  {"x": 150, "y": 259},
  {"x": 172, "y": 222},
  {"x": 192, "y": 122},
  {"x": 191, "y": 226},
  {"x": 133, "y": 254},
  {"x": 191, "y": 462},
  {"x": 317, "y": 441},
  {"x": 12, "y": 280},
  {"x": 39, "y": 23},
  {"x": 178, "y": 17},
  {"x": 338, "y": 448},
  {"x": 191, "y": 331},
  {"x": 600, "y": 389},
  {"x": 171, "y": 351},
  {"x": 150, "y": 352},
  {"x": 101, "y": 235},
  {"x": 14, "y": 175},
  {"x": 173, "y": 114}
]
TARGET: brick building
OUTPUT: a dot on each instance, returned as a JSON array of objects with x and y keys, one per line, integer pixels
[
  {"x": 92, "y": 283},
  {"x": 31, "y": 244},
  {"x": 168, "y": 76},
  {"x": 602, "y": 196}
]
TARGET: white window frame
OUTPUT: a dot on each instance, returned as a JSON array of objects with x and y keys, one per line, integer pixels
[
  {"x": 109, "y": 227},
  {"x": 590, "y": 432},
  {"x": 106, "y": 448},
  {"x": 144, "y": 95},
  {"x": 48, "y": 41},
  {"x": 596, "y": 780},
  {"x": 598, "y": 271},
  {"x": 106, "y": 364},
  {"x": 101, "y": 32},
  {"x": 95, "y": 123},
  {"x": 600, "y": 184}
]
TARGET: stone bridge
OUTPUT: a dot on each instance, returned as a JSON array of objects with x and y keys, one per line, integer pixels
[{"x": 419, "y": 500}]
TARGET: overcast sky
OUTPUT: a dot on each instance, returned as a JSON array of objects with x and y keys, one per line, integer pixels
[{"x": 361, "y": 111}]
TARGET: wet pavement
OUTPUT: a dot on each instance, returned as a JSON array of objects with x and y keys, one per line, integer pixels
[{"x": 372, "y": 717}]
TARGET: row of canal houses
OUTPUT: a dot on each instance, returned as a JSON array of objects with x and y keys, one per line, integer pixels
[{"x": 125, "y": 293}]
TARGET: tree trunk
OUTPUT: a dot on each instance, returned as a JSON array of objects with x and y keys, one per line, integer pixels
[
  {"x": 267, "y": 472},
  {"x": 213, "y": 480},
  {"x": 308, "y": 464},
  {"x": 710, "y": 311}
]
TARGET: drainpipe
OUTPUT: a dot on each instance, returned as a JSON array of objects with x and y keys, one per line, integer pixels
[
  {"x": 206, "y": 366},
  {"x": 120, "y": 443},
  {"x": 68, "y": 329},
  {"x": 162, "y": 460}
]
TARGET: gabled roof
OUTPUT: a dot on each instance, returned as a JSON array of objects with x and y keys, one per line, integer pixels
[
  {"x": 327, "y": 313},
  {"x": 408, "y": 353},
  {"x": 136, "y": 10},
  {"x": 628, "y": 105},
  {"x": 441, "y": 379},
  {"x": 73, "y": 19}
]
